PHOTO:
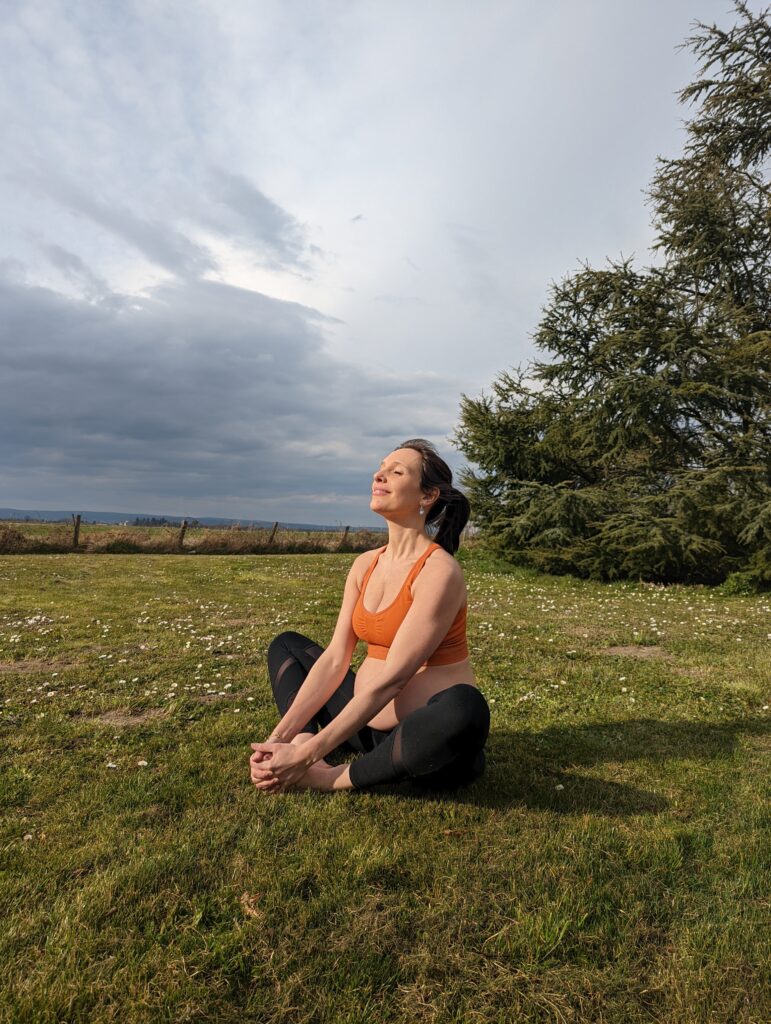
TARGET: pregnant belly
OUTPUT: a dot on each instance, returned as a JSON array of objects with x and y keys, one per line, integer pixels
[{"x": 424, "y": 684}]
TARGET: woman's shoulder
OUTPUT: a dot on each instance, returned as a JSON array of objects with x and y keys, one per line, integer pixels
[
  {"x": 441, "y": 564},
  {"x": 443, "y": 571},
  {"x": 368, "y": 556},
  {"x": 442, "y": 556},
  {"x": 363, "y": 561}
]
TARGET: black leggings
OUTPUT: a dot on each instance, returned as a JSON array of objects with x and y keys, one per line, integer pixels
[{"x": 440, "y": 744}]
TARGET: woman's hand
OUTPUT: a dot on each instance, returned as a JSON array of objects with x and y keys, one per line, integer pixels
[
  {"x": 261, "y": 775},
  {"x": 276, "y": 767}
]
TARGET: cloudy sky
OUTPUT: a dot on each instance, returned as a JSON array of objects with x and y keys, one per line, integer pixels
[{"x": 250, "y": 246}]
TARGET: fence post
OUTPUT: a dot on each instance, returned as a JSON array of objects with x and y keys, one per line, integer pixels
[
  {"x": 181, "y": 537},
  {"x": 76, "y": 529},
  {"x": 273, "y": 533},
  {"x": 344, "y": 536}
]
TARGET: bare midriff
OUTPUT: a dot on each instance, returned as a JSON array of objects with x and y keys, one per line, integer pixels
[{"x": 427, "y": 681}]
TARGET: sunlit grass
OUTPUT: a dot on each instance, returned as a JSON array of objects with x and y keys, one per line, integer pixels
[{"x": 611, "y": 864}]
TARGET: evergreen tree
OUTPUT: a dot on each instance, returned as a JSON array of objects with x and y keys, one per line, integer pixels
[{"x": 643, "y": 447}]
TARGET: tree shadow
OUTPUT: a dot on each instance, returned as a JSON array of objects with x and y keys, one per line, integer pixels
[{"x": 526, "y": 767}]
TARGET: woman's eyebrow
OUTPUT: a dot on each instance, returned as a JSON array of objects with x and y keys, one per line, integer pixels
[{"x": 396, "y": 463}]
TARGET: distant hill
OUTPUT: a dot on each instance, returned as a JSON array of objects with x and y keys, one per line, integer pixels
[{"x": 49, "y": 516}]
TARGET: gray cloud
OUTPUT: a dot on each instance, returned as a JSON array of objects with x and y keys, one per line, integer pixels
[
  {"x": 158, "y": 242},
  {"x": 232, "y": 207},
  {"x": 200, "y": 395},
  {"x": 248, "y": 213},
  {"x": 73, "y": 268}
]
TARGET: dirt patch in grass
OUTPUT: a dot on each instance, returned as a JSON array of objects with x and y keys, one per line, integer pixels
[
  {"x": 127, "y": 718},
  {"x": 28, "y": 665},
  {"x": 639, "y": 651},
  {"x": 586, "y": 632}
]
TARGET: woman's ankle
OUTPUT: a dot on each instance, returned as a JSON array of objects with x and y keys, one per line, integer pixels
[{"x": 342, "y": 778}]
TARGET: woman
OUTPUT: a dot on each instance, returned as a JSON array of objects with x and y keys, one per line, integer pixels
[{"x": 413, "y": 709}]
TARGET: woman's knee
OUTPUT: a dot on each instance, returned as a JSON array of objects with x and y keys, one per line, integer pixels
[
  {"x": 290, "y": 647},
  {"x": 288, "y": 641},
  {"x": 281, "y": 653},
  {"x": 465, "y": 710}
]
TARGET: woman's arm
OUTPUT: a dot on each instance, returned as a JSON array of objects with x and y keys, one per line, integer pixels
[{"x": 330, "y": 667}]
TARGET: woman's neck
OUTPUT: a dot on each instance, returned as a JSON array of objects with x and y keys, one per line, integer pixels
[{"x": 406, "y": 549}]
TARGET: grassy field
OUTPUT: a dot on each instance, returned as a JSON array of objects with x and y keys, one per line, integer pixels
[{"x": 612, "y": 864}]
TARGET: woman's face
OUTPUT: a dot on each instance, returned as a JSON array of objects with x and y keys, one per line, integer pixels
[{"x": 396, "y": 483}]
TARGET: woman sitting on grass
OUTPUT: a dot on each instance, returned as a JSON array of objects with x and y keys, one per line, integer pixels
[{"x": 413, "y": 710}]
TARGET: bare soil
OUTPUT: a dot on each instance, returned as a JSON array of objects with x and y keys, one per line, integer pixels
[
  {"x": 27, "y": 665},
  {"x": 639, "y": 651},
  {"x": 122, "y": 718}
]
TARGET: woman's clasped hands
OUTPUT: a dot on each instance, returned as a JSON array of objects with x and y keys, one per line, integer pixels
[{"x": 276, "y": 766}]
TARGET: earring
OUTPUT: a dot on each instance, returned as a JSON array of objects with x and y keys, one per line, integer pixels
[{"x": 422, "y": 510}]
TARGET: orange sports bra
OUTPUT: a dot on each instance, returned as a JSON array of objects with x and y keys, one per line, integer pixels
[{"x": 378, "y": 629}]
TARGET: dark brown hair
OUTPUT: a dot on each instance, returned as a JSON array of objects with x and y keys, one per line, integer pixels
[{"x": 451, "y": 510}]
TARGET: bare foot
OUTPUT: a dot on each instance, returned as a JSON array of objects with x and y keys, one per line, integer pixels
[{"x": 321, "y": 776}]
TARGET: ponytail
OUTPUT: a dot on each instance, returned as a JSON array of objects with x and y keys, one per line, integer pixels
[{"x": 450, "y": 512}]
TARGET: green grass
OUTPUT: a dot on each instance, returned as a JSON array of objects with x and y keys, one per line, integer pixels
[{"x": 612, "y": 864}]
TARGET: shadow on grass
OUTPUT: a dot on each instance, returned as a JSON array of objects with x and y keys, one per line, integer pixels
[{"x": 526, "y": 768}]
